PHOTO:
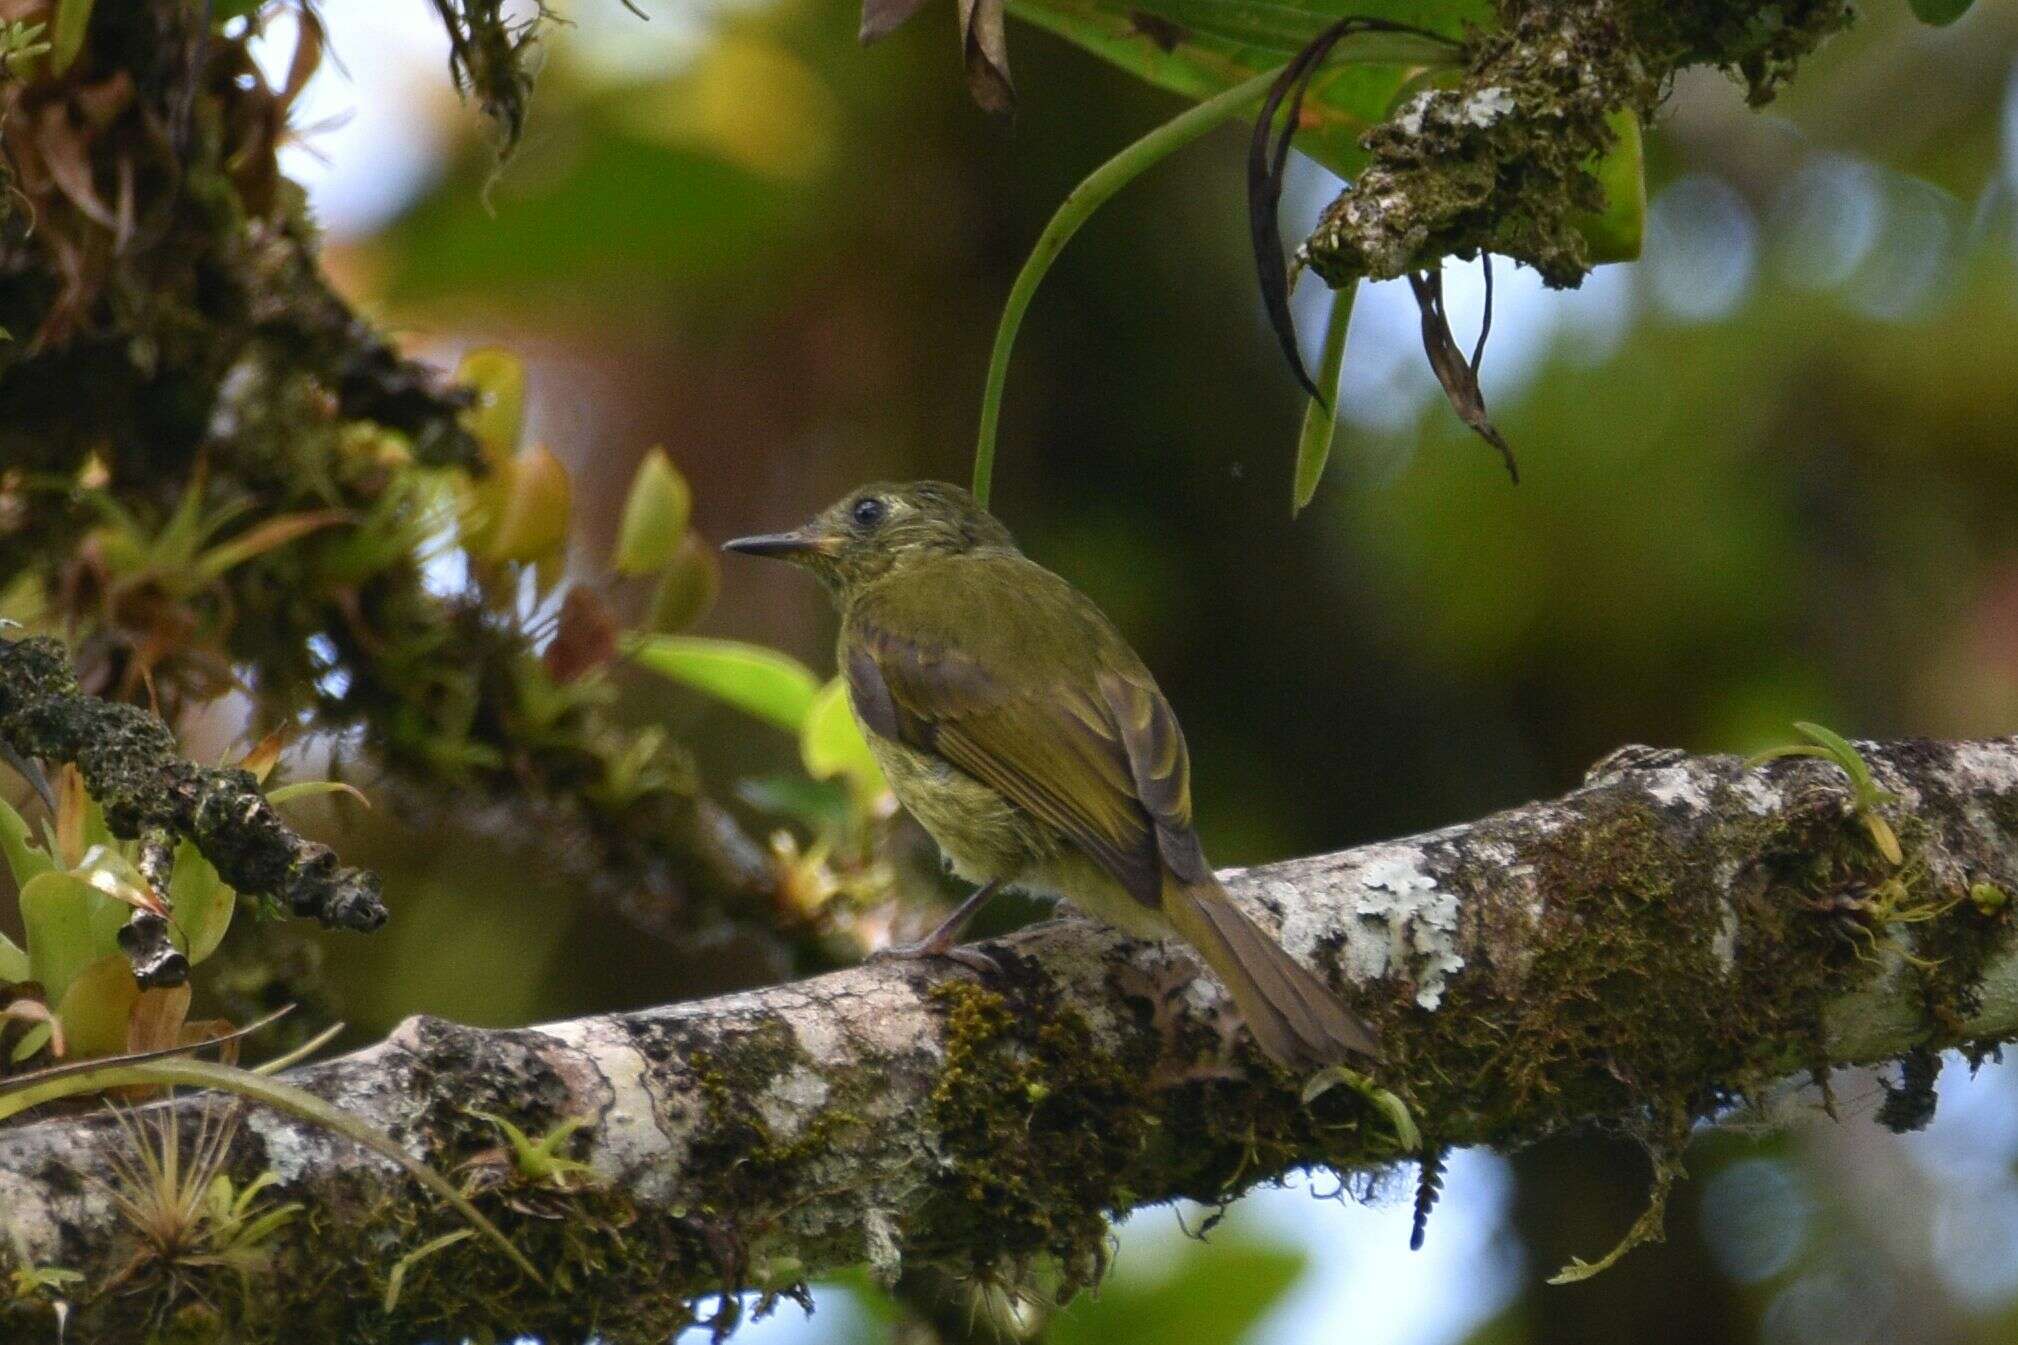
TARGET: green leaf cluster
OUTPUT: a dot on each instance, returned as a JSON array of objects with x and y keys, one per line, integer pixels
[{"x": 780, "y": 690}]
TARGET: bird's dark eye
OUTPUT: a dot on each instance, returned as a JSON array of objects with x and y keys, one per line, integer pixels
[{"x": 869, "y": 511}]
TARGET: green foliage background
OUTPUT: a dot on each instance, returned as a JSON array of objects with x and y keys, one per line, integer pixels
[{"x": 783, "y": 258}]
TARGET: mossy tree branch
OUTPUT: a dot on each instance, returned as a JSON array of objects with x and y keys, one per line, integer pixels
[
  {"x": 1678, "y": 937},
  {"x": 131, "y": 765}
]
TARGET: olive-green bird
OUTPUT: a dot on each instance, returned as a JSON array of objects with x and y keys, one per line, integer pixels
[{"x": 1019, "y": 728}]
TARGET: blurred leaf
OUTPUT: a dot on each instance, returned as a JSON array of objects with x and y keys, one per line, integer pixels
[
  {"x": 986, "y": 49},
  {"x": 1320, "y": 420},
  {"x": 1201, "y": 47},
  {"x": 822, "y": 805},
  {"x": 66, "y": 39},
  {"x": 831, "y": 744},
  {"x": 1456, "y": 371},
  {"x": 585, "y": 637},
  {"x": 107, "y": 869},
  {"x": 687, "y": 590},
  {"x": 656, "y": 514},
  {"x": 156, "y": 1019},
  {"x": 1407, "y": 1136},
  {"x": 256, "y": 541},
  {"x": 748, "y": 101},
  {"x": 758, "y": 681},
  {"x": 1940, "y": 13},
  {"x": 80, "y": 822},
  {"x": 304, "y": 789},
  {"x": 13, "y": 961},
  {"x": 1865, "y": 793},
  {"x": 532, "y": 519},
  {"x": 499, "y": 379},
  {"x": 69, "y": 925},
  {"x": 200, "y": 903},
  {"x": 97, "y": 1007},
  {"x": 36, "y": 1037},
  {"x": 265, "y": 753},
  {"x": 1206, "y": 1294}
]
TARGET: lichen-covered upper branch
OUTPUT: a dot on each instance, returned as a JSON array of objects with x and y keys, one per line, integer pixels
[
  {"x": 1677, "y": 937},
  {"x": 1502, "y": 161}
]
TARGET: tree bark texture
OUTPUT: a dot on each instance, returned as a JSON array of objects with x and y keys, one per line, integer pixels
[{"x": 1677, "y": 937}]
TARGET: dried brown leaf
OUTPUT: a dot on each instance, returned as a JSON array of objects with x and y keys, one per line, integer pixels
[
  {"x": 157, "y": 1018},
  {"x": 1458, "y": 376},
  {"x": 67, "y": 156},
  {"x": 987, "y": 53},
  {"x": 586, "y": 638}
]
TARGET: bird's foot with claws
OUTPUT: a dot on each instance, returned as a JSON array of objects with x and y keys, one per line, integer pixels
[{"x": 928, "y": 949}]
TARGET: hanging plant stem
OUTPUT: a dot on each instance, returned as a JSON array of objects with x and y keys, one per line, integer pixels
[{"x": 1086, "y": 198}]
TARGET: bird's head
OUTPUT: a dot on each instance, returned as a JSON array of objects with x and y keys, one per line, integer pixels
[{"x": 880, "y": 528}]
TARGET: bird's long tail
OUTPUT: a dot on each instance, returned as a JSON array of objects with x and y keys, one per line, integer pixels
[{"x": 1293, "y": 1015}]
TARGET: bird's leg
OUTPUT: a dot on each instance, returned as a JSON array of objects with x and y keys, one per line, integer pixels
[{"x": 944, "y": 941}]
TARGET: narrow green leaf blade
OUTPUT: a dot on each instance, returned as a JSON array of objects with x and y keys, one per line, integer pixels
[
  {"x": 1320, "y": 422},
  {"x": 1846, "y": 756},
  {"x": 756, "y": 680}
]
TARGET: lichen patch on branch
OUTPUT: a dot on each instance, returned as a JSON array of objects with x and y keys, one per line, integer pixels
[{"x": 1502, "y": 161}]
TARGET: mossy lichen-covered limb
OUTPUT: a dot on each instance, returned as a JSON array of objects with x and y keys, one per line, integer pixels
[
  {"x": 1501, "y": 162},
  {"x": 132, "y": 768},
  {"x": 1678, "y": 937}
]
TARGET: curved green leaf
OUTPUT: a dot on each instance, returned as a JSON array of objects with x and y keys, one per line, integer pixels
[
  {"x": 200, "y": 903},
  {"x": 755, "y": 680},
  {"x": 70, "y": 924},
  {"x": 13, "y": 962}
]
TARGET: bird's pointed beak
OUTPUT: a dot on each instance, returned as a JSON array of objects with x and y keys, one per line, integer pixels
[{"x": 782, "y": 545}]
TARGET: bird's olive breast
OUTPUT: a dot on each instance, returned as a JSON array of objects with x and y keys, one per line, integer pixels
[{"x": 983, "y": 834}]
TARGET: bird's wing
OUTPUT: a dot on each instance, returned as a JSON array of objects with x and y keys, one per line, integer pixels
[{"x": 1082, "y": 741}]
